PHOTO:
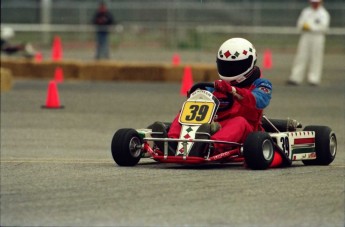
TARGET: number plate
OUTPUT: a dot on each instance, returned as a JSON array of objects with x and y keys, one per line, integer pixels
[{"x": 197, "y": 113}]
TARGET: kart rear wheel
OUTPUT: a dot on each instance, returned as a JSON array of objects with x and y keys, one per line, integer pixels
[
  {"x": 258, "y": 150},
  {"x": 126, "y": 147},
  {"x": 325, "y": 145}
]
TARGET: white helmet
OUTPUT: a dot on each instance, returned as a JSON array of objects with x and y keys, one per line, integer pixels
[
  {"x": 235, "y": 60},
  {"x": 7, "y": 33}
]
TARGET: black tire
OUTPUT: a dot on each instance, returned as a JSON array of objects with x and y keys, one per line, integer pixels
[
  {"x": 325, "y": 145},
  {"x": 258, "y": 150},
  {"x": 126, "y": 147}
]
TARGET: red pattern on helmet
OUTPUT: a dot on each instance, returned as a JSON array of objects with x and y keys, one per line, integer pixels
[{"x": 227, "y": 54}]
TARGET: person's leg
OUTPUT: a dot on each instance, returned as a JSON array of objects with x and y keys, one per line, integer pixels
[
  {"x": 102, "y": 43},
  {"x": 175, "y": 128},
  {"x": 159, "y": 130},
  {"x": 235, "y": 130},
  {"x": 98, "y": 45},
  {"x": 10, "y": 48},
  {"x": 300, "y": 61},
  {"x": 106, "y": 46},
  {"x": 316, "y": 63}
]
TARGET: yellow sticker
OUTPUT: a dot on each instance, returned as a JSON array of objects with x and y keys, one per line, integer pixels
[{"x": 197, "y": 112}]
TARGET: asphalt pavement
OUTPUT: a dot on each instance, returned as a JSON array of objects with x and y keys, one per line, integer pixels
[{"x": 57, "y": 169}]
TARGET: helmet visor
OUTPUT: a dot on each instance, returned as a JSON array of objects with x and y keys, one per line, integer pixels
[{"x": 233, "y": 68}]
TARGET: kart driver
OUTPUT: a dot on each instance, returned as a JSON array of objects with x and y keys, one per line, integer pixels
[
  {"x": 8, "y": 33},
  {"x": 241, "y": 80}
]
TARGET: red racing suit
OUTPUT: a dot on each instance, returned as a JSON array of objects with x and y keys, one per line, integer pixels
[{"x": 243, "y": 117}]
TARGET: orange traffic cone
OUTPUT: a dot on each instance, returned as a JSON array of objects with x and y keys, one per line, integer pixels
[
  {"x": 176, "y": 60},
  {"x": 57, "y": 49},
  {"x": 267, "y": 60},
  {"x": 38, "y": 57},
  {"x": 58, "y": 76},
  {"x": 52, "y": 101},
  {"x": 187, "y": 80}
]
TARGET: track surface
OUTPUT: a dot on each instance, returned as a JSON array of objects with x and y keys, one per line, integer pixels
[{"x": 57, "y": 169}]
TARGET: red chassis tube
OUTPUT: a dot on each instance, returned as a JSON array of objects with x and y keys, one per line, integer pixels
[{"x": 227, "y": 156}]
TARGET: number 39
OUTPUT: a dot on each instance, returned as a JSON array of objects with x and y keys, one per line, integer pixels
[
  {"x": 285, "y": 145},
  {"x": 198, "y": 113}
]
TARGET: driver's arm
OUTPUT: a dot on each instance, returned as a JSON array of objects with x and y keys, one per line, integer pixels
[{"x": 260, "y": 96}]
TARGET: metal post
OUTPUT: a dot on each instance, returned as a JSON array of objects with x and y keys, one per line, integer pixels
[
  {"x": 185, "y": 150},
  {"x": 166, "y": 149},
  {"x": 46, "y": 20}
]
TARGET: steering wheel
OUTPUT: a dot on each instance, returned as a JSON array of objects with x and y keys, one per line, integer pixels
[
  {"x": 225, "y": 103},
  {"x": 208, "y": 86}
]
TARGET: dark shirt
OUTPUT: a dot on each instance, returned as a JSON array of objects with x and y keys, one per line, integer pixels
[{"x": 103, "y": 20}]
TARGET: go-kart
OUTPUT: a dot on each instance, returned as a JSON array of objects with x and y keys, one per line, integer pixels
[{"x": 314, "y": 145}]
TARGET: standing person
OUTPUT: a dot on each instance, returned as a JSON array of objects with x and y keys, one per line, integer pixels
[
  {"x": 102, "y": 19},
  {"x": 313, "y": 23}
]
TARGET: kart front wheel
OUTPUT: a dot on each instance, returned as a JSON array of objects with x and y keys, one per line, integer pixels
[
  {"x": 325, "y": 145},
  {"x": 258, "y": 150},
  {"x": 126, "y": 147}
]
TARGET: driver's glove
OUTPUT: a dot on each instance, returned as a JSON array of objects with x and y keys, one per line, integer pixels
[{"x": 223, "y": 86}]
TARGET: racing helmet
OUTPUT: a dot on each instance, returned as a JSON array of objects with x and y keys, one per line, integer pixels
[
  {"x": 6, "y": 33},
  {"x": 236, "y": 59}
]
